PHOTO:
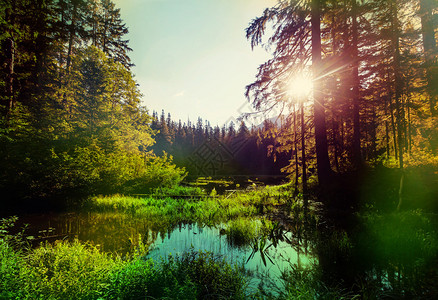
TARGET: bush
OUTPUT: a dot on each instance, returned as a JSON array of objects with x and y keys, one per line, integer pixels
[
  {"x": 66, "y": 271},
  {"x": 131, "y": 281},
  {"x": 10, "y": 266},
  {"x": 154, "y": 173}
]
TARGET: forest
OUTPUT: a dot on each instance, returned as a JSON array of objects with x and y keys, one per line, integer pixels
[{"x": 341, "y": 175}]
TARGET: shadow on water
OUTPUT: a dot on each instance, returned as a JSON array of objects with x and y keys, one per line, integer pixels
[{"x": 390, "y": 256}]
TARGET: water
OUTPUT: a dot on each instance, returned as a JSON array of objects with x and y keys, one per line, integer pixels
[
  {"x": 198, "y": 238},
  {"x": 111, "y": 232},
  {"x": 395, "y": 253},
  {"x": 118, "y": 233}
]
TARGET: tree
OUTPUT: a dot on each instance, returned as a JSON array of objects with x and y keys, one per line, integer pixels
[
  {"x": 109, "y": 33},
  {"x": 430, "y": 49},
  {"x": 322, "y": 158},
  {"x": 293, "y": 38}
]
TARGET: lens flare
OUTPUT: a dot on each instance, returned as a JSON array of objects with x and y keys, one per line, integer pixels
[{"x": 300, "y": 86}]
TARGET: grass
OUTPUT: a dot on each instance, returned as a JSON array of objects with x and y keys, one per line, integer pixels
[
  {"x": 60, "y": 271},
  {"x": 74, "y": 270},
  {"x": 179, "y": 190},
  {"x": 242, "y": 231},
  {"x": 207, "y": 210},
  {"x": 385, "y": 255},
  {"x": 10, "y": 266},
  {"x": 79, "y": 271},
  {"x": 193, "y": 275}
]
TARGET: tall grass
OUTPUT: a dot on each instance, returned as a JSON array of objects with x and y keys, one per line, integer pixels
[
  {"x": 207, "y": 210},
  {"x": 10, "y": 266},
  {"x": 60, "y": 271},
  {"x": 77, "y": 271},
  {"x": 242, "y": 231},
  {"x": 193, "y": 275}
]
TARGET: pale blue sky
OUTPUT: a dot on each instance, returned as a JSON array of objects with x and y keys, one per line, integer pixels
[{"x": 192, "y": 58}]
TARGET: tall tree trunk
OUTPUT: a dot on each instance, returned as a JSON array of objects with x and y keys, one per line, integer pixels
[
  {"x": 335, "y": 96},
  {"x": 335, "y": 143},
  {"x": 398, "y": 80},
  {"x": 10, "y": 63},
  {"x": 386, "y": 128},
  {"x": 357, "y": 157},
  {"x": 303, "y": 155},
  {"x": 342, "y": 141},
  {"x": 394, "y": 131},
  {"x": 297, "y": 173},
  {"x": 10, "y": 53},
  {"x": 430, "y": 49},
  {"x": 72, "y": 35},
  {"x": 322, "y": 158},
  {"x": 409, "y": 127}
]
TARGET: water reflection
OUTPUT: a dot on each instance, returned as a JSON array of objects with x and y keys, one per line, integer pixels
[
  {"x": 119, "y": 233},
  {"x": 281, "y": 253},
  {"x": 111, "y": 232},
  {"x": 394, "y": 254}
]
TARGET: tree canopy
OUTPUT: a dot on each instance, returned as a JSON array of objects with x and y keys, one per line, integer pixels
[
  {"x": 373, "y": 66},
  {"x": 72, "y": 122}
]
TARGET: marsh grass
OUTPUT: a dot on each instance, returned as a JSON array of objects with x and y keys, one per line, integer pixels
[
  {"x": 306, "y": 283},
  {"x": 10, "y": 266},
  {"x": 191, "y": 275},
  {"x": 242, "y": 231},
  {"x": 207, "y": 210},
  {"x": 79, "y": 271},
  {"x": 389, "y": 255},
  {"x": 179, "y": 190},
  {"x": 61, "y": 271},
  {"x": 76, "y": 270},
  {"x": 67, "y": 270}
]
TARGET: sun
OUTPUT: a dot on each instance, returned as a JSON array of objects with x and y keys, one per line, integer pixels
[{"x": 300, "y": 86}]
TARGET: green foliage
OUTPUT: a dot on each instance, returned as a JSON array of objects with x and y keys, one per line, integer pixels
[
  {"x": 179, "y": 190},
  {"x": 193, "y": 275},
  {"x": 306, "y": 283},
  {"x": 212, "y": 276},
  {"x": 78, "y": 271},
  {"x": 242, "y": 231},
  {"x": 10, "y": 265},
  {"x": 60, "y": 271},
  {"x": 409, "y": 238},
  {"x": 158, "y": 172},
  {"x": 132, "y": 281},
  {"x": 68, "y": 271},
  {"x": 90, "y": 140},
  {"x": 165, "y": 206}
]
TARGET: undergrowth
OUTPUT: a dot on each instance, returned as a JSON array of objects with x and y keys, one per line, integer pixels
[
  {"x": 206, "y": 210},
  {"x": 79, "y": 271}
]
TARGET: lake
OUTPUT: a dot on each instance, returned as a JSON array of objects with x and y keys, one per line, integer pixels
[{"x": 394, "y": 253}]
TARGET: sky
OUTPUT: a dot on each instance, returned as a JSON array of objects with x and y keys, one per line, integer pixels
[{"x": 191, "y": 57}]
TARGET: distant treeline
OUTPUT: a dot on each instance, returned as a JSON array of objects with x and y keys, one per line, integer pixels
[{"x": 205, "y": 150}]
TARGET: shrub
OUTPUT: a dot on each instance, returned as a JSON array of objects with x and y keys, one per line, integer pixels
[
  {"x": 66, "y": 271},
  {"x": 10, "y": 265},
  {"x": 156, "y": 172}
]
